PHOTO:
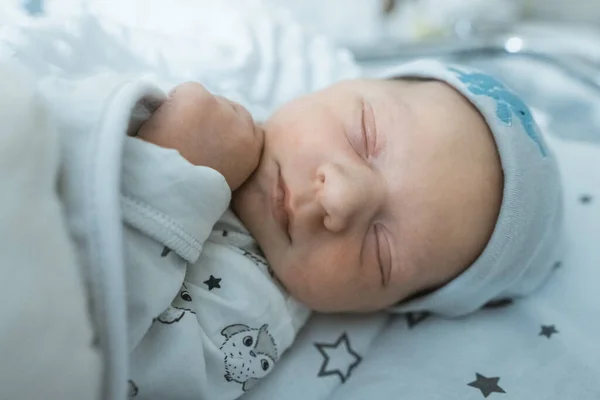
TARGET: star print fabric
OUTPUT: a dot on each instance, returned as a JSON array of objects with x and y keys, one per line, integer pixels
[
  {"x": 206, "y": 319},
  {"x": 327, "y": 354}
]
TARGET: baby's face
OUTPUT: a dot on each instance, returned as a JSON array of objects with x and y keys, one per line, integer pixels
[{"x": 370, "y": 191}]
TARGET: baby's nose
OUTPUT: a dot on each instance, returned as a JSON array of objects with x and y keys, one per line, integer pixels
[{"x": 346, "y": 193}]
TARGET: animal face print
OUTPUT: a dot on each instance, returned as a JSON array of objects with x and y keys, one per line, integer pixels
[
  {"x": 178, "y": 308},
  {"x": 250, "y": 354}
]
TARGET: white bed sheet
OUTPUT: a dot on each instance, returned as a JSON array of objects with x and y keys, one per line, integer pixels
[{"x": 243, "y": 52}]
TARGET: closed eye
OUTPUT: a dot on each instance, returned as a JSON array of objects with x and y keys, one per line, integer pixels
[
  {"x": 383, "y": 254},
  {"x": 363, "y": 130},
  {"x": 369, "y": 130},
  {"x": 371, "y": 250},
  {"x": 359, "y": 138},
  {"x": 378, "y": 255},
  {"x": 362, "y": 139}
]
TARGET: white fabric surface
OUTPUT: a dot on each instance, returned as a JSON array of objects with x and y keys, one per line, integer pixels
[
  {"x": 46, "y": 335},
  {"x": 260, "y": 59},
  {"x": 89, "y": 188}
]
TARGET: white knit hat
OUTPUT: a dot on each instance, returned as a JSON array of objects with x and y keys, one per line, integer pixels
[{"x": 525, "y": 244}]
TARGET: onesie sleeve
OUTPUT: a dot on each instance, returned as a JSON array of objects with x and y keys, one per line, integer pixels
[{"x": 169, "y": 207}]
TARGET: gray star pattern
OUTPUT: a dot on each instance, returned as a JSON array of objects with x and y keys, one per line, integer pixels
[
  {"x": 338, "y": 359},
  {"x": 585, "y": 199},
  {"x": 548, "y": 331},
  {"x": 486, "y": 385}
]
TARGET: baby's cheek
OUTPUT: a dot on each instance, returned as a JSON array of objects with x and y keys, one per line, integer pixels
[
  {"x": 297, "y": 277},
  {"x": 293, "y": 277},
  {"x": 321, "y": 284}
]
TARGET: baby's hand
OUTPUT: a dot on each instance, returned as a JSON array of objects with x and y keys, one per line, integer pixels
[{"x": 207, "y": 130}]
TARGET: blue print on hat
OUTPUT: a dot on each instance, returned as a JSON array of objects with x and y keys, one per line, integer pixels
[{"x": 507, "y": 103}]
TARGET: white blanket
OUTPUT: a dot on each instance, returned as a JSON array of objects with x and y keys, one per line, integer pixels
[
  {"x": 542, "y": 347},
  {"x": 234, "y": 47}
]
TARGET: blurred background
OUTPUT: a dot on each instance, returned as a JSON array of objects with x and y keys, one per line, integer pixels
[
  {"x": 372, "y": 28},
  {"x": 376, "y": 29},
  {"x": 548, "y": 50},
  {"x": 358, "y": 22},
  {"x": 362, "y": 23}
]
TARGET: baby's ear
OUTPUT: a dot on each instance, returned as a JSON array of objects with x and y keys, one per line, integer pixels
[{"x": 233, "y": 329}]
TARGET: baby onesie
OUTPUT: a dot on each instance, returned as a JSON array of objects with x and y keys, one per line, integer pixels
[{"x": 206, "y": 319}]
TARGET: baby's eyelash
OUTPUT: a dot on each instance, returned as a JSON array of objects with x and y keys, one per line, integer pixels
[
  {"x": 378, "y": 255},
  {"x": 364, "y": 132},
  {"x": 369, "y": 129}
]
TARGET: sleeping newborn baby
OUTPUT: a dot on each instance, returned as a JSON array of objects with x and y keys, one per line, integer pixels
[{"x": 430, "y": 190}]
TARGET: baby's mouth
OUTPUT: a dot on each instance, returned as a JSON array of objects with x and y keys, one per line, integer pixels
[{"x": 280, "y": 209}]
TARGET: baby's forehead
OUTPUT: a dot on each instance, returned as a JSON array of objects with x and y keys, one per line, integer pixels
[
  {"x": 399, "y": 88},
  {"x": 427, "y": 98}
]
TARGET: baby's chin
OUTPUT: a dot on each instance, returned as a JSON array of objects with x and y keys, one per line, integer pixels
[
  {"x": 239, "y": 204},
  {"x": 249, "y": 203}
]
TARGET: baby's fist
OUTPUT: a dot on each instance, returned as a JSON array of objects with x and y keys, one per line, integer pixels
[{"x": 207, "y": 130}]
